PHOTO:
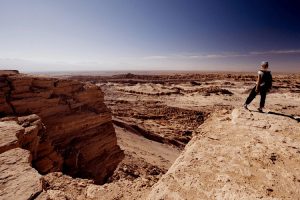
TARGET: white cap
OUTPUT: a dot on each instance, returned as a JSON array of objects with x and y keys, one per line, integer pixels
[{"x": 264, "y": 63}]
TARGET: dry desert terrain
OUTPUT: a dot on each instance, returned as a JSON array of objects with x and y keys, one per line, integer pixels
[{"x": 148, "y": 136}]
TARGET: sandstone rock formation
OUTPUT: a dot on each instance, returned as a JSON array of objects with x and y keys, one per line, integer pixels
[
  {"x": 71, "y": 129},
  {"x": 243, "y": 155},
  {"x": 18, "y": 180}
]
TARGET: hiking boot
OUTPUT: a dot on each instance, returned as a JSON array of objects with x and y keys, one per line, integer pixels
[
  {"x": 246, "y": 106},
  {"x": 260, "y": 110}
]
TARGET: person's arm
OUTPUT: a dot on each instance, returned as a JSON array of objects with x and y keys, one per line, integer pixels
[{"x": 258, "y": 83}]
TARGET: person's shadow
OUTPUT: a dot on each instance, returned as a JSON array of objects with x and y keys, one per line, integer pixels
[
  {"x": 285, "y": 115},
  {"x": 280, "y": 114}
]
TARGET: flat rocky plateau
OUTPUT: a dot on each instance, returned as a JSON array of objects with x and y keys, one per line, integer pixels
[{"x": 182, "y": 136}]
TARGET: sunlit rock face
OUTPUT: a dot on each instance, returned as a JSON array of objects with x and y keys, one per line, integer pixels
[{"x": 71, "y": 129}]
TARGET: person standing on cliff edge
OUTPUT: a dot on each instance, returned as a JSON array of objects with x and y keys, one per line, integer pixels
[{"x": 263, "y": 86}]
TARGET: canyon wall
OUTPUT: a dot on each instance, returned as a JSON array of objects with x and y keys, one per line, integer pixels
[{"x": 74, "y": 132}]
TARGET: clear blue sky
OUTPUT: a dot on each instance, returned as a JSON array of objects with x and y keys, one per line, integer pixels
[{"x": 40, "y": 35}]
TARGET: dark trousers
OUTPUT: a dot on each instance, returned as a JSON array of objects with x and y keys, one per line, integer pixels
[{"x": 263, "y": 93}]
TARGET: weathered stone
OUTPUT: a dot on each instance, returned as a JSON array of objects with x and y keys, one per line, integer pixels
[
  {"x": 76, "y": 135},
  {"x": 237, "y": 159},
  {"x": 18, "y": 180},
  {"x": 9, "y": 132}
]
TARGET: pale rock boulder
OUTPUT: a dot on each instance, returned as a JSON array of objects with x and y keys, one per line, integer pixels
[
  {"x": 9, "y": 133},
  {"x": 18, "y": 180}
]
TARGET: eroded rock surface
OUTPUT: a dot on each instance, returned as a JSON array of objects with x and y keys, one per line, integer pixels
[
  {"x": 77, "y": 135},
  {"x": 242, "y": 155},
  {"x": 18, "y": 180},
  {"x": 10, "y": 131}
]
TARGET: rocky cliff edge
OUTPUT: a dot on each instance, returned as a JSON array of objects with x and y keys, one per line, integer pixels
[
  {"x": 53, "y": 125},
  {"x": 238, "y": 155}
]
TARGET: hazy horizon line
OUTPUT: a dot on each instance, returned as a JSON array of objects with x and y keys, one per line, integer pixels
[{"x": 99, "y": 72}]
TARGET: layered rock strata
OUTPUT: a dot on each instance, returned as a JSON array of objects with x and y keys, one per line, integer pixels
[{"x": 77, "y": 135}]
